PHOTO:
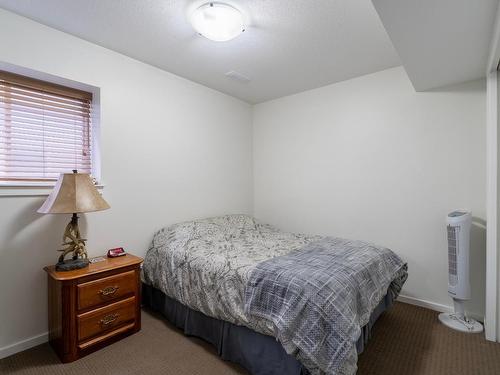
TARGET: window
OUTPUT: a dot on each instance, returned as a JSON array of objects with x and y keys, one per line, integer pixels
[{"x": 45, "y": 129}]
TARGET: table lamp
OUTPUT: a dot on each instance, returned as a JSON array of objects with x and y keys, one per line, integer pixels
[{"x": 73, "y": 193}]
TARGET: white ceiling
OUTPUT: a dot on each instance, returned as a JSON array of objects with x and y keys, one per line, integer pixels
[
  {"x": 288, "y": 46},
  {"x": 440, "y": 42}
]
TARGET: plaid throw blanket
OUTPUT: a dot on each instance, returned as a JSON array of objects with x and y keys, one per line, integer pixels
[{"x": 318, "y": 298}]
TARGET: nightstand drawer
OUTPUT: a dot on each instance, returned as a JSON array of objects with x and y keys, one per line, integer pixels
[
  {"x": 98, "y": 321},
  {"x": 110, "y": 288}
]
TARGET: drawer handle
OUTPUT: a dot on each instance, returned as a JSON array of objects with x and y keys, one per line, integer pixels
[
  {"x": 108, "y": 291},
  {"x": 108, "y": 319}
]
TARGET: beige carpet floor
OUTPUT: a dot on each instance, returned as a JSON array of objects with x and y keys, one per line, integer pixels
[{"x": 406, "y": 340}]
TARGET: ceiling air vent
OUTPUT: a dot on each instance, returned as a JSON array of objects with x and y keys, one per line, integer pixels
[{"x": 237, "y": 76}]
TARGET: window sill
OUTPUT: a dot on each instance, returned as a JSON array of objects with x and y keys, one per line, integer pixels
[{"x": 29, "y": 189}]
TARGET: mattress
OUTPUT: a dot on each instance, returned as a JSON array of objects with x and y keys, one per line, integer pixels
[{"x": 314, "y": 294}]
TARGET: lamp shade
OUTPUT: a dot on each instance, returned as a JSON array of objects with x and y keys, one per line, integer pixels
[{"x": 73, "y": 193}]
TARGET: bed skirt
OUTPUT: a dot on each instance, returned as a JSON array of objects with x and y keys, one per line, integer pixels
[{"x": 259, "y": 354}]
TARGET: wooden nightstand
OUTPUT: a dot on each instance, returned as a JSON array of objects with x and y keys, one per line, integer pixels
[{"x": 92, "y": 307}]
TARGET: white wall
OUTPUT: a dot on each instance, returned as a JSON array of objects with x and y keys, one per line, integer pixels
[
  {"x": 172, "y": 150},
  {"x": 372, "y": 159}
]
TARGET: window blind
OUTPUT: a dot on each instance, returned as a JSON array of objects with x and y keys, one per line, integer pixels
[{"x": 45, "y": 129}]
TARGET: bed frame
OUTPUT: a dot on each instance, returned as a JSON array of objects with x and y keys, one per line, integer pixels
[{"x": 259, "y": 354}]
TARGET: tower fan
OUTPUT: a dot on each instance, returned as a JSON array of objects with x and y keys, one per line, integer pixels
[{"x": 458, "y": 226}]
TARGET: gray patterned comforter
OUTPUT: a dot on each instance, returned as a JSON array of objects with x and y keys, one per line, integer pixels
[
  {"x": 207, "y": 265},
  {"x": 320, "y": 297}
]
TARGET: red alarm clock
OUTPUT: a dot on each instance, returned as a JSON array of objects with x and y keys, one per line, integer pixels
[{"x": 117, "y": 252}]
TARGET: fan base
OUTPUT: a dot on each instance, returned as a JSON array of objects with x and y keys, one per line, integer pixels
[{"x": 459, "y": 323}]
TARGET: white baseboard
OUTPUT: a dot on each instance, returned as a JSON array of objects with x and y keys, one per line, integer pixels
[
  {"x": 427, "y": 304},
  {"x": 435, "y": 306},
  {"x": 23, "y": 345}
]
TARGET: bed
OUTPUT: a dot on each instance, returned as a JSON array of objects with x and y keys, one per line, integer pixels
[{"x": 274, "y": 302}]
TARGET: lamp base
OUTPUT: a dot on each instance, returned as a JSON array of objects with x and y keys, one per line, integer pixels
[{"x": 72, "y": 264}]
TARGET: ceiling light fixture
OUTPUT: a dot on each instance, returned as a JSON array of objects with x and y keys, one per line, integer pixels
[{"x": 218, "y": 22}]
